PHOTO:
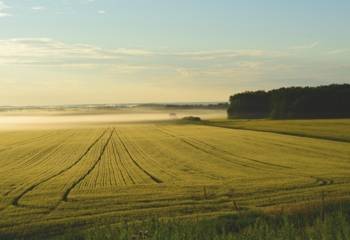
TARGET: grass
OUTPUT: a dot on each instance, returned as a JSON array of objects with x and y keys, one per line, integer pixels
[
  {"x": 333, "y": 223},
  {"x": 76, "y": 178}
]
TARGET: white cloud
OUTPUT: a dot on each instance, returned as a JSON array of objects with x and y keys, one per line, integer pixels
[
  {"x": 133, "y": 52},
  {"x": 101, "y": 12},
  {"x": 219, "y": 64},
  {"x": 306, "y": 46},
  {"x": 3, "y": 10},
  {"x": 221, "y": 54},
  {"x": 127, "y": 68},
  {"x": 234, "y": 69},
  {"x": 338, "y": 51},
  {"x": 38, "y": 8},
  {"x": 47, "y": 51}
]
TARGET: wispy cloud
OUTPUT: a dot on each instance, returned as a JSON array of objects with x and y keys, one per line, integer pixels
[
  {"x": 338, "y": 51},
  {"x": 215, "y": 64},
  {"x": 38, "y": 8},
  {"x": 222, "y": 54},
  {"x": 48, "y": 51},
  {"x": 306, "y": 46},
  {"x": 101, "y": 12},
  {"x": 3, "y": 10},
  {"x": 236, "y": 68}
]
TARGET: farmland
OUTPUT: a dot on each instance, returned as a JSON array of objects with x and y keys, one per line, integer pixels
[
  {"x": 331, "y": 129},
  {"x": 78, "y": 177}
]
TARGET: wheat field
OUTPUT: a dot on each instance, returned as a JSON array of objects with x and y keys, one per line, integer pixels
[{"x": 52, "y": 179}]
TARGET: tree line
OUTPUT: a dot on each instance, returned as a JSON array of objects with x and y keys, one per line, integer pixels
[{"x": 331, "y": 101}]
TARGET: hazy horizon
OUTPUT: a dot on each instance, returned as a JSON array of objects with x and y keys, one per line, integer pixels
[
  {"x": 110, "y": 104},
  {"x": 113, "y": 51}
]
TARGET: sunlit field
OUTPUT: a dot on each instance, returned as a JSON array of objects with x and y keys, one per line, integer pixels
[
  {"x": 174, "y": 120},
  {"x": 73, "y": 176},
  {"x": 331, "y": 129}
]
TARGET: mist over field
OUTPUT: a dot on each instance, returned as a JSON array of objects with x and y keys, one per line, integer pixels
[
  {"x": 104, "y": 118},
  {"x": 35, "y": 119}
]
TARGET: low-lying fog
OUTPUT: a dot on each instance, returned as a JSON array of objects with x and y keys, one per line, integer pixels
[
  {"x": 9, "y": 121},
  {"x": 83, "y": 118}
]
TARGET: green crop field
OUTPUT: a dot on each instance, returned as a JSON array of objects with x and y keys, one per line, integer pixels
[{"x": 78, "y": 177}]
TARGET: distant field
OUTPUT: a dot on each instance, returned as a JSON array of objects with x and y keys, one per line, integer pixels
[
  {"x": 83, "y": 177},
  {"x": 332, "y": 129}
]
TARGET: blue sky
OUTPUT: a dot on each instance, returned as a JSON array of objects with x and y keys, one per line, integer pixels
[{"x": 110, "y": 51}]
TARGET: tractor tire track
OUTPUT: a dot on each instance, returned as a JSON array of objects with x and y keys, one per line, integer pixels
[
  {"x": 67, "y": 192},
  {"x": 146, "y": 156},
  {"x": 236, "y": 161},
  {"x": 55, "y": 149},
  {"x": 155, "y": 179},
  {"x": 116, "y": 157},
  {"x": 27, "y": 141},
  {"x": 32, "y": 160},
  {"x": 116, "y": 153},
  {"x": 237, "y": 156},
  {"x": 41, "y": 157},
  {"x": 319, "y": 181},
  {"x": 224, "y": 151},
  {"x": 15, "y": 201}
]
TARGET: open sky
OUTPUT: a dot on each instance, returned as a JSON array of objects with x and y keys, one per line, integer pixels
[{"x": 117, "y": 51}]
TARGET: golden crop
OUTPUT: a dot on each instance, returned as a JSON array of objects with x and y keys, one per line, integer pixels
[{"x": 82, "y": 176}]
